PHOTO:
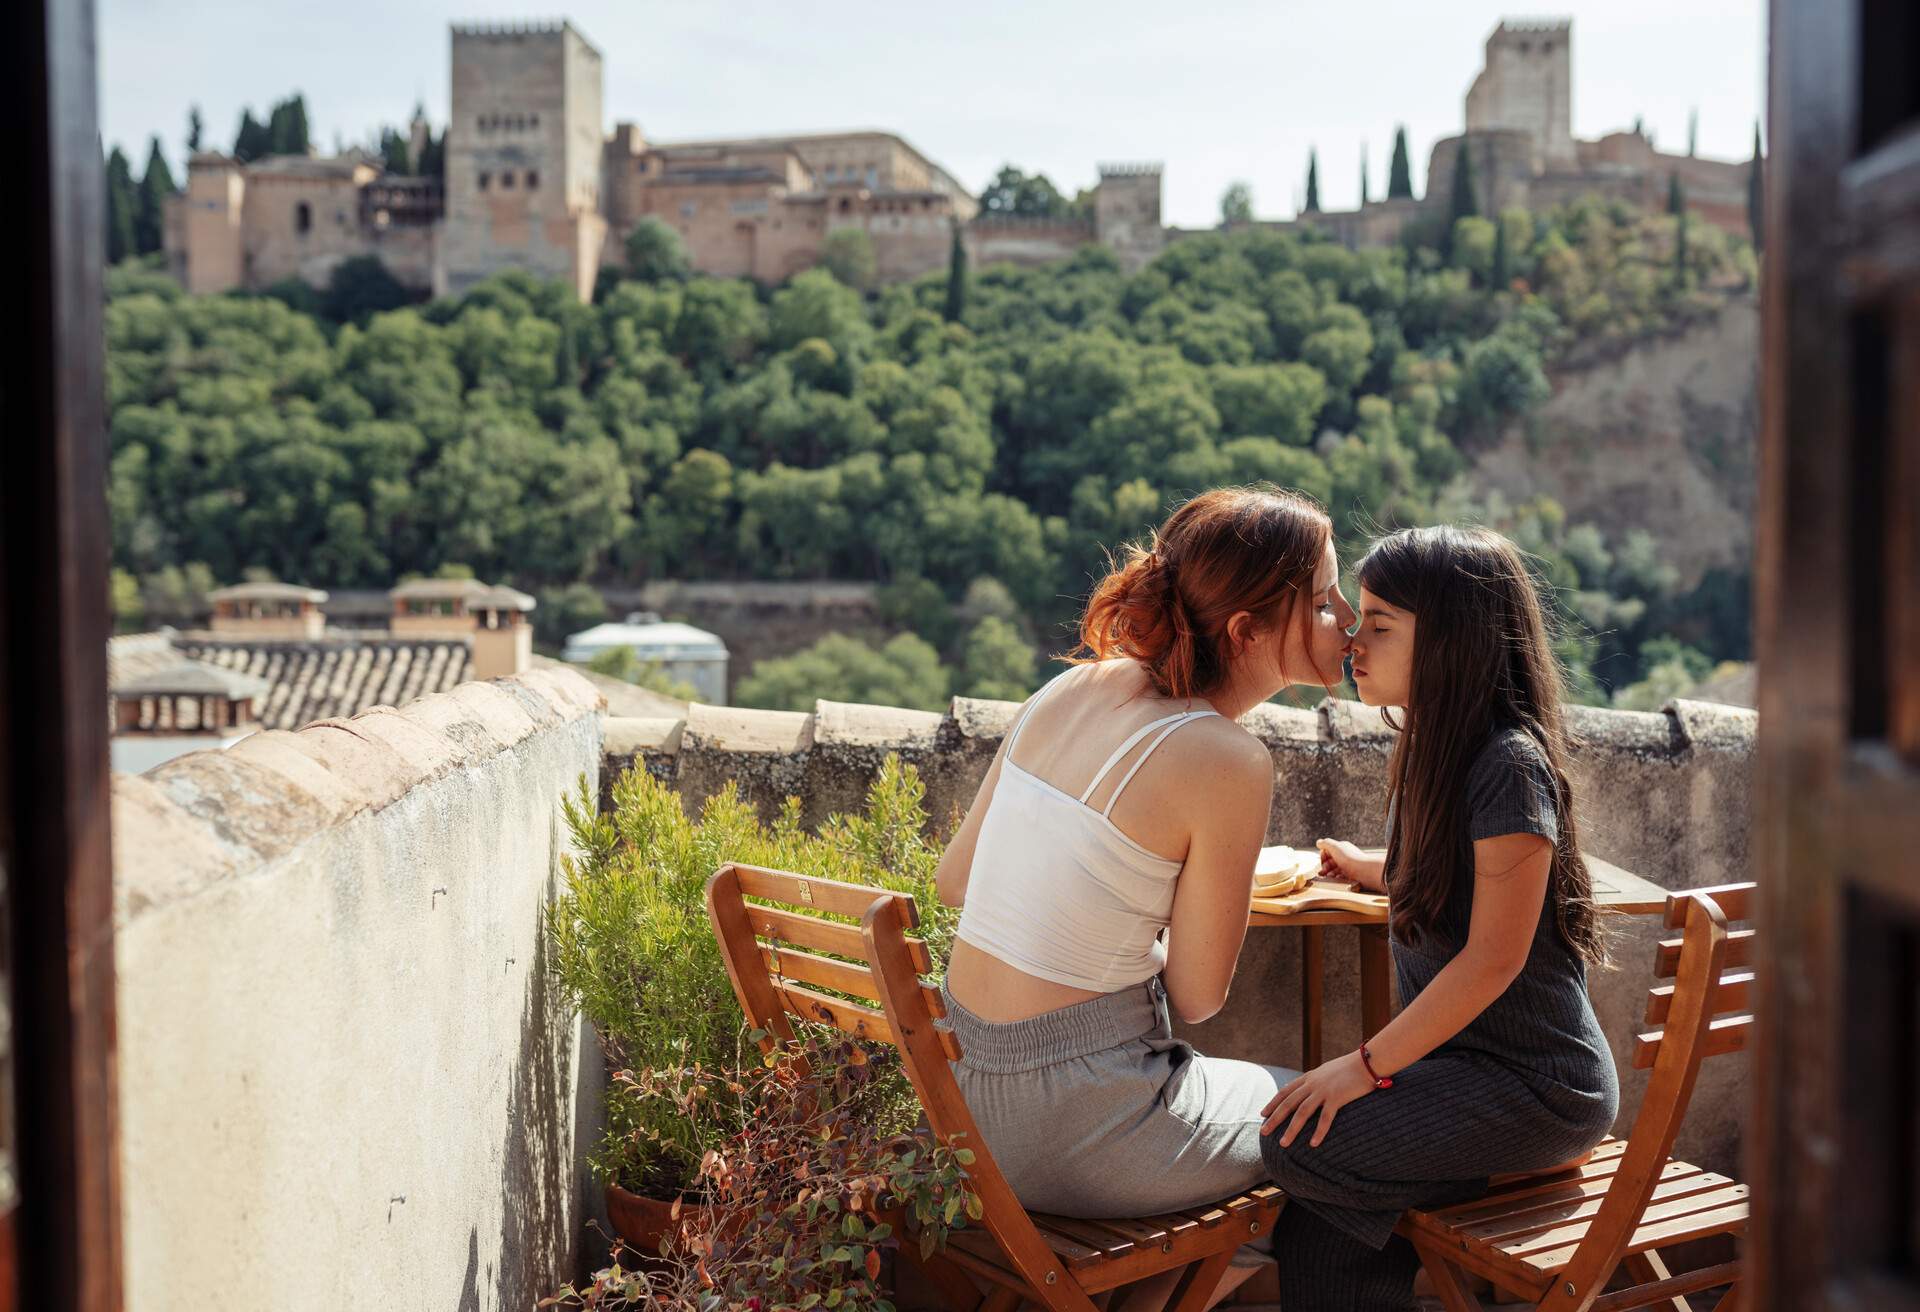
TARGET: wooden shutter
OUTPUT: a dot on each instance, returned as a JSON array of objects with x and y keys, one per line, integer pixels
[{"x": 1835, "y": 1153}]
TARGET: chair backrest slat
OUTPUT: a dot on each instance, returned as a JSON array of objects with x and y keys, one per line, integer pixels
[
  {"x": 826, "y": 896},
  {"x": 1734, "y": 992},
  {"x": 863, "y": 1022},
  {"x": 1697, "y": 962},
  {"x": 1726, "y": 1034},
  {"x": 1739, "y": 953},
  {"x": 785, "y": 963},
  {"x": 824, "y": 935},
  {"x": 1734, "y": 900}
]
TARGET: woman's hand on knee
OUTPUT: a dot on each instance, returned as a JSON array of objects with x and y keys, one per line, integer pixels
[{"x": 1325, "y": 1090}]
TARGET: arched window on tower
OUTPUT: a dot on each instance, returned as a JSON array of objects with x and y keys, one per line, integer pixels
[{"x": 303, "y": 218}]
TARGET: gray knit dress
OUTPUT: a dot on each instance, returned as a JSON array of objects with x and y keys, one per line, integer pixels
[{"x": 1528, "y": 1083}]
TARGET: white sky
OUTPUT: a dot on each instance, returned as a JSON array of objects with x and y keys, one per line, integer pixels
[{"x": 1215, "y": 90}]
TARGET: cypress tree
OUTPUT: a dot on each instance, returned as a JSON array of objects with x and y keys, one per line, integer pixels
[
  {"x": 252, "y": 141},
  {"x": 193, "y": 129},
  {"x": 433, "y": 160},
  {"x": 1461, "y": 203},
  {"x": 122, "y": 203},
  {"x": 1399, "y": 175},
  {"x": 393, "y": 152},
  {"x": 156, "y": 184},
  {"x": 1677, "y": 206},
  {"x": 1363, "y": 176},
  {"x": 297, "y": 140},
  {"x": 1693, "y": 132},
  {"x": 280, "y": 129},
  {"x": 956, "y": 279},
  {"x": 1756, "y": 194},
  {"x": 1502, "y": 258},
  {"x": 566, "y": 365},
  {"x": 1313, "y": 183}
]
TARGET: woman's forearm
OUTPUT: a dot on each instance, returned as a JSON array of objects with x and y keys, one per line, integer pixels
[
  {"x": 1463, "y": 989},
  {"x": 1371, "y": 870}
]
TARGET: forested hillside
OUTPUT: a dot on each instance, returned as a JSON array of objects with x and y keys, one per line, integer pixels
[{"x": 985, "y": 439}]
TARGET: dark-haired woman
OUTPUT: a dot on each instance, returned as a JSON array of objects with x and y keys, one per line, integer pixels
[
  {"x": 1495, "y": 1062},
  {"x": 1105, "y": 868}
]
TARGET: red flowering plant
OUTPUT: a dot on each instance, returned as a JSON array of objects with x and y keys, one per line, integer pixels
[{"x": 798, "y": 1206}]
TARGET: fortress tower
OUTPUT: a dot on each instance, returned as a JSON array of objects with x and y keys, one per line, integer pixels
[
  {"x": 1527, "y": 85},
  {"x": 1126, "y": 212},
  {"x": 523, "y": 155}
]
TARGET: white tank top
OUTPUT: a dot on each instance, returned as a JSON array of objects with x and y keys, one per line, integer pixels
[{"x": 1056, "y": 889}]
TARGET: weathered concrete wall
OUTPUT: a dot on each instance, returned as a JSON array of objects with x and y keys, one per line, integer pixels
[
  {"x": 1662, "y": 795},
  {"x": 346, "y": 1078}
]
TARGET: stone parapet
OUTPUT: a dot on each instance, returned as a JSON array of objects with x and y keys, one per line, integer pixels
[
  {"x": 344, "y": 1066},
  {"x": 1694, "y": 759}
]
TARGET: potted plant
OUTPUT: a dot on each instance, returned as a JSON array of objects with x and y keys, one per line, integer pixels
[
  {"x": 634, "y": 951},
  {"x": 797, "y": 1207}
]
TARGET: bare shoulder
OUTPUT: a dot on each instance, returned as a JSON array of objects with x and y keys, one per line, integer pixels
[{"x": 1214, "y": 752}]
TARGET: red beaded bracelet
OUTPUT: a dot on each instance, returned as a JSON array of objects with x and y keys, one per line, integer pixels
[{"x": 1379, "y": 1081}]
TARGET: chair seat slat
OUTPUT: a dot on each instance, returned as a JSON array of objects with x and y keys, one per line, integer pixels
[
  {"x": 1486, "y": 1209},
  {"x": 1510, "y": 1227},
  {"x": 1691, "y": 1193},
  {"x": 1673, "y": 1230}
]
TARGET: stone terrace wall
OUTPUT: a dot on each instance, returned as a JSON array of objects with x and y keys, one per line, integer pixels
[
  {"x": 1664, "y": 795},
  {"x": 346, "y": 1078}
]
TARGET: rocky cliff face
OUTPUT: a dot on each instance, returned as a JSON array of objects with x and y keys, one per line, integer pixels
[{"x": 1661, "y": 435}]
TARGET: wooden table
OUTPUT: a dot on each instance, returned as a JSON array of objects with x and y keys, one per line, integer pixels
[{"x": 1617, "y": 891}]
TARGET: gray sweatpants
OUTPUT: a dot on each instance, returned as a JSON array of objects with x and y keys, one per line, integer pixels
[{"x": 1096, "y": 1110}]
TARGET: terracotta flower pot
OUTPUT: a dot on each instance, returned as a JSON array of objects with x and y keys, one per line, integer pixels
[{"x": 642, "y": 1222}]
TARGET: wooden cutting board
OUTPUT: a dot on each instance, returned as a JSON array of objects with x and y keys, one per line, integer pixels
[{"x": 1324, "y": 895}]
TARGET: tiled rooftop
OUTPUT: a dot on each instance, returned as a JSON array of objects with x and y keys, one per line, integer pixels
[{"x": 334, "y": 677}]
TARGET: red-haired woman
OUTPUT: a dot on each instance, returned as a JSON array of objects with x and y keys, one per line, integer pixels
[{"x": 1105, "y": 868}]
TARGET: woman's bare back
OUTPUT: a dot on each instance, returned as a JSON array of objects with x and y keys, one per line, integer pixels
[{"x": 1070, "y": 737}]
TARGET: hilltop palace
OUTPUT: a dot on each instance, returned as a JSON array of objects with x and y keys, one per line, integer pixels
[{"x": 533, "y": 181}]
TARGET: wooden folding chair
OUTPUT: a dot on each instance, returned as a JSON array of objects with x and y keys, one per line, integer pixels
[
  {"x": 773, "y": 954},
  {"x": 1559, "y": 1238}
]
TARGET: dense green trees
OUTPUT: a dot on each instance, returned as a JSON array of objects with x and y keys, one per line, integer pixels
[
  {"x": 1034, "y": 195},
  {"x": 977, "y": 464}
]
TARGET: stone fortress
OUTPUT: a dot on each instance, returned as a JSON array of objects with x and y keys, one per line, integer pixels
[
  {"x": 1519, "y": 129},
  {"x": 533, "y": 181}
]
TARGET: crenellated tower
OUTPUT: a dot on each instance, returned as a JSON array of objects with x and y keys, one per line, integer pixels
[
  {"x": 523, "y": 148},
  {"x": 1527, "y": 85}
]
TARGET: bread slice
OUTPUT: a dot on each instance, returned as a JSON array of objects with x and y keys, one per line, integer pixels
[{"x": 1282, "y": 870}]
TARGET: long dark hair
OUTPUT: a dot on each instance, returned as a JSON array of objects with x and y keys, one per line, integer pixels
[
  {"x": 1252, "y": 548},
  {"x": 1482, "y": 662}
]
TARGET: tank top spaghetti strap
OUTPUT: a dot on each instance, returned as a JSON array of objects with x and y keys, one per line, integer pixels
[{"x": 1056, "y": 888}]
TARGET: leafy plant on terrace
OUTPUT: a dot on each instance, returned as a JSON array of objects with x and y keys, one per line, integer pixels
[{"x": 635, "y": 951}]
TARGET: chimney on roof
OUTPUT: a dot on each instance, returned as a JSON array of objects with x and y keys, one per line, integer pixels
[
  {"x": 502, "y": 634},
  {"x": 268, "y": 610},
  {"x": 492, "y": 619}
]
